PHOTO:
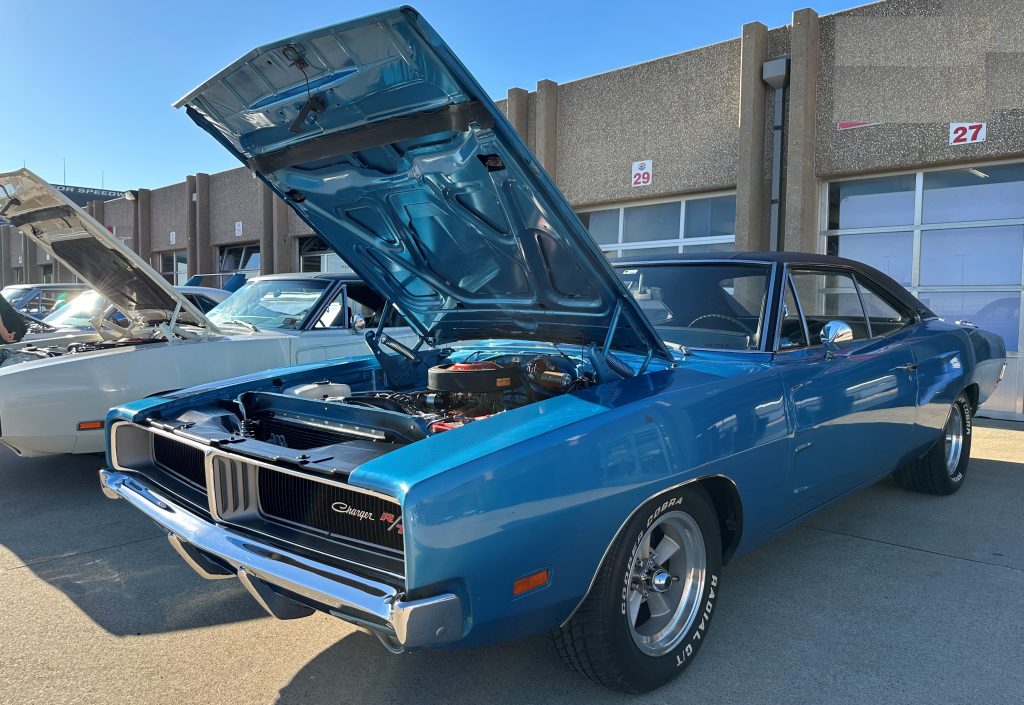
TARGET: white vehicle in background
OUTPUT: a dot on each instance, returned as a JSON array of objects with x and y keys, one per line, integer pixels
[
  {"x": 40, "y": 300},
  {"x": 57, "y": 403},
  {"x": 77, "y": 321}
]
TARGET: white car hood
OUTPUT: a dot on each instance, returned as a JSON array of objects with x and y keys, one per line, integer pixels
[{"x": 83, "y": 245}]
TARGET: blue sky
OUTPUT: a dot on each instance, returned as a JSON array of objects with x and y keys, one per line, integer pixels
[{"x": 93, "y": 82}]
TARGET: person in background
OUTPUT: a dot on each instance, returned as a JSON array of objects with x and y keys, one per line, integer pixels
[{"x": 12, "y": 325}]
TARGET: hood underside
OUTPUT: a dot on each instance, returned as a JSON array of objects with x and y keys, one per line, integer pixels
[
  {"x": 379, "y": 138},
  {"x": 83, "y": 245}
]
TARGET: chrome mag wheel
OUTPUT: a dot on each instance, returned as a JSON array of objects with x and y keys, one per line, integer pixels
[
  {"x": 666, "y": 583},
  {"x": 954, "y": 439}
]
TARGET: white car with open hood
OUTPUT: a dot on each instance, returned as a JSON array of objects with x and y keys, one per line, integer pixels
[
  {"x": 57, "y": 403},
  {"x": 82, "y": 321}
]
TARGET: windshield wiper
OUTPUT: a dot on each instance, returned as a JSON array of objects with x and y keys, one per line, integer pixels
[{"x": 244, "y": 324}]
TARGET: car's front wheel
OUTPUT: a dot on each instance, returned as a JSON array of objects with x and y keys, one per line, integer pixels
[
  {"x": 650, "y": 607},
  {"x": 942, "y": 469}
]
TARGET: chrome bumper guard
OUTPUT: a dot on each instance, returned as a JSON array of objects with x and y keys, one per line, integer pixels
[{"x": 214, "y": 551}]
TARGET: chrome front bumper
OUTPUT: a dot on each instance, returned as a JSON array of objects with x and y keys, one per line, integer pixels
[{"x": 217, "y": 552}]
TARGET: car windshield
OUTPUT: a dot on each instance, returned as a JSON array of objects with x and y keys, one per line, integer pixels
[
  {"x": 13, "y": 293},
  {"x": 702, "y": 305},
  {"x": 78, "y": 312},
  {"x": 270, "y": 303}
]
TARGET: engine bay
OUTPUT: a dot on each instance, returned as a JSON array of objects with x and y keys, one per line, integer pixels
[
  {"x": 354, "y": 413},
  {"x": 459, "y": 393}
]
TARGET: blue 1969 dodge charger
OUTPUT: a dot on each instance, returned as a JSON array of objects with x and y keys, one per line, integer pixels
[{"x": 568, "y": 447}]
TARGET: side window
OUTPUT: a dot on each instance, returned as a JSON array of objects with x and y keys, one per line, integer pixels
[
  {"x": 34, "y": 305},
  {"x": 362, "y": 301},
  {"x": 829, "y": 296},
  {"x": 201, "y": 302},
  {"x": 792, "y": 334},
  {"x": 333, "y": 316},
  {"x": 884, "y": 316}
]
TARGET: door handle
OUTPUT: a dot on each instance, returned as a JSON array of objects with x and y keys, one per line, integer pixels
[{"x": 909, "y": 367}]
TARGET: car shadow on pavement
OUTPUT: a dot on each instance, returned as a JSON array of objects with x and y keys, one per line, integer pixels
[
  {"x": 112, "y": 562},
  {"x": 358, "y": 668}
]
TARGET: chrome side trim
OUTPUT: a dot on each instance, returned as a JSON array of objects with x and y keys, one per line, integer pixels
[
  {"x": 360, "y": 600},
  {"x": 622, "y": 526}
]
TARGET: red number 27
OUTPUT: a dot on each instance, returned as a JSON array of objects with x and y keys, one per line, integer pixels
[{"x": 960, "y": 133}]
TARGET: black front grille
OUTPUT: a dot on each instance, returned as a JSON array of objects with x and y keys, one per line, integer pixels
[
  {"x": 297, "y": 435},
  {"x": 180, "y": 459},
  {"x": 336, "y": 510}
]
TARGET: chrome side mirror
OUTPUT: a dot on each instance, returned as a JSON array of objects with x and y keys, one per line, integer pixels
[
  {"x": 358, "y": 322},
  {"x": 833, "y": 333}
]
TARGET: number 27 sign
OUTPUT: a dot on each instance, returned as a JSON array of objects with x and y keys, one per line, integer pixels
[
  {"x": 966, "y": 132},
  {"x": 643, "y": 173}
]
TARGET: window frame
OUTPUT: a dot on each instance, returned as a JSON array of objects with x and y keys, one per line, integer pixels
[
  {"x": 788, "y": 283},
  {"x": 856, "y": 275},
  {"x": 766, "y": 339},
  {"x": 919, "y": 227},
  {"x": 620, "y": 248}
]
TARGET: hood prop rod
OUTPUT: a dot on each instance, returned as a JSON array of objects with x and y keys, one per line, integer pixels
[{"x": 604, "y": 362}]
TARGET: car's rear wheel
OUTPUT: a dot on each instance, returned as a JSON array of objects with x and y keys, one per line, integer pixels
[
  {"x": 650, "y": 607},
  {"x": 943, "y": 468}
]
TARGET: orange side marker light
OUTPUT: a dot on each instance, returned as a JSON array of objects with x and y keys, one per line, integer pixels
[{"x": 530, "y": 582}]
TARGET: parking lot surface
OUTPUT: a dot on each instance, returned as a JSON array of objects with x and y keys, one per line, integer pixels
[{"x": 887, "y": 597}]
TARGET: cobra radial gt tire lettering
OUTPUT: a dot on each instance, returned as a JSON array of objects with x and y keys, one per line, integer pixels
[
  {"x": 597, "y": 642},
  {"x": 930, "y": 473}
]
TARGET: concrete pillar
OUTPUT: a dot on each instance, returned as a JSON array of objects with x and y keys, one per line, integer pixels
[
  {"x": 751, "y": 187},
  {"x": 518, "y": 109},
  {"x": 143, "y": 224},
  {"x": 6, "y": 275},
  {"x": 267, "y": 235},
  {"x": 31, "y": 250},
  {"x": 206, "y": 261},
  {"x": 547, "y": 126},
  {"x": 285, "y": 256},
  {"x": 802, "y": 192},
  {"x": 190, "y": 226},
  {"x": 97, "y": 211}
]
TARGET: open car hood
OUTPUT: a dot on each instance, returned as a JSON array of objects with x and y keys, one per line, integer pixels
[
  {"x": 83, "y": 245},
  {"x": 381, "y": 140}
]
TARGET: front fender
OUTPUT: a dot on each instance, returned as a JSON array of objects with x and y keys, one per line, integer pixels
[{"x": 557, "y": 499}]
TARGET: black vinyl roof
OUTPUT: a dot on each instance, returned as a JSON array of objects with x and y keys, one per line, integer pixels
[{"x": 881, "y": 279}]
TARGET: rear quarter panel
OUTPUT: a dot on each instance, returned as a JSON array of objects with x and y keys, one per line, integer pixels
[{"x": 951, "y": 358}]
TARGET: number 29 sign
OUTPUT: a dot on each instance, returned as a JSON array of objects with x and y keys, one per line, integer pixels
[
  {"x": 643, "y": 173},
  {"x": 966, "y": 132}
]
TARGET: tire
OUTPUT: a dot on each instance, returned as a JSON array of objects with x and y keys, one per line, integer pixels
[
  {"x": 943, "y": 468},
  {"x": 615, "y": 639}
]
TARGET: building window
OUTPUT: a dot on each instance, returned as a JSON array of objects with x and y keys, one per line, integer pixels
[
  {"x": 960, "y": 247},
  {"x": 316, "y": 256},
  {"x": 698, "y": 224},
  {"x": 871, "y": 203},
  {"x": 174, "y": 267},
  {"x": 240, "y": 258}
]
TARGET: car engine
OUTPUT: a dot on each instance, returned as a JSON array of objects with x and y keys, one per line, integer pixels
[
  {"x": 463, "y": 392},
  {"x": 457, "y": 393}
]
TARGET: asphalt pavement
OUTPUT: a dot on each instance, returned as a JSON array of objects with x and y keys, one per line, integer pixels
[{"x": 886, "y": 597}]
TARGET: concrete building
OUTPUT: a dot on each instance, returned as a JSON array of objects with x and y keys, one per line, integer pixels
[{"x": 851, "y": 143}]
